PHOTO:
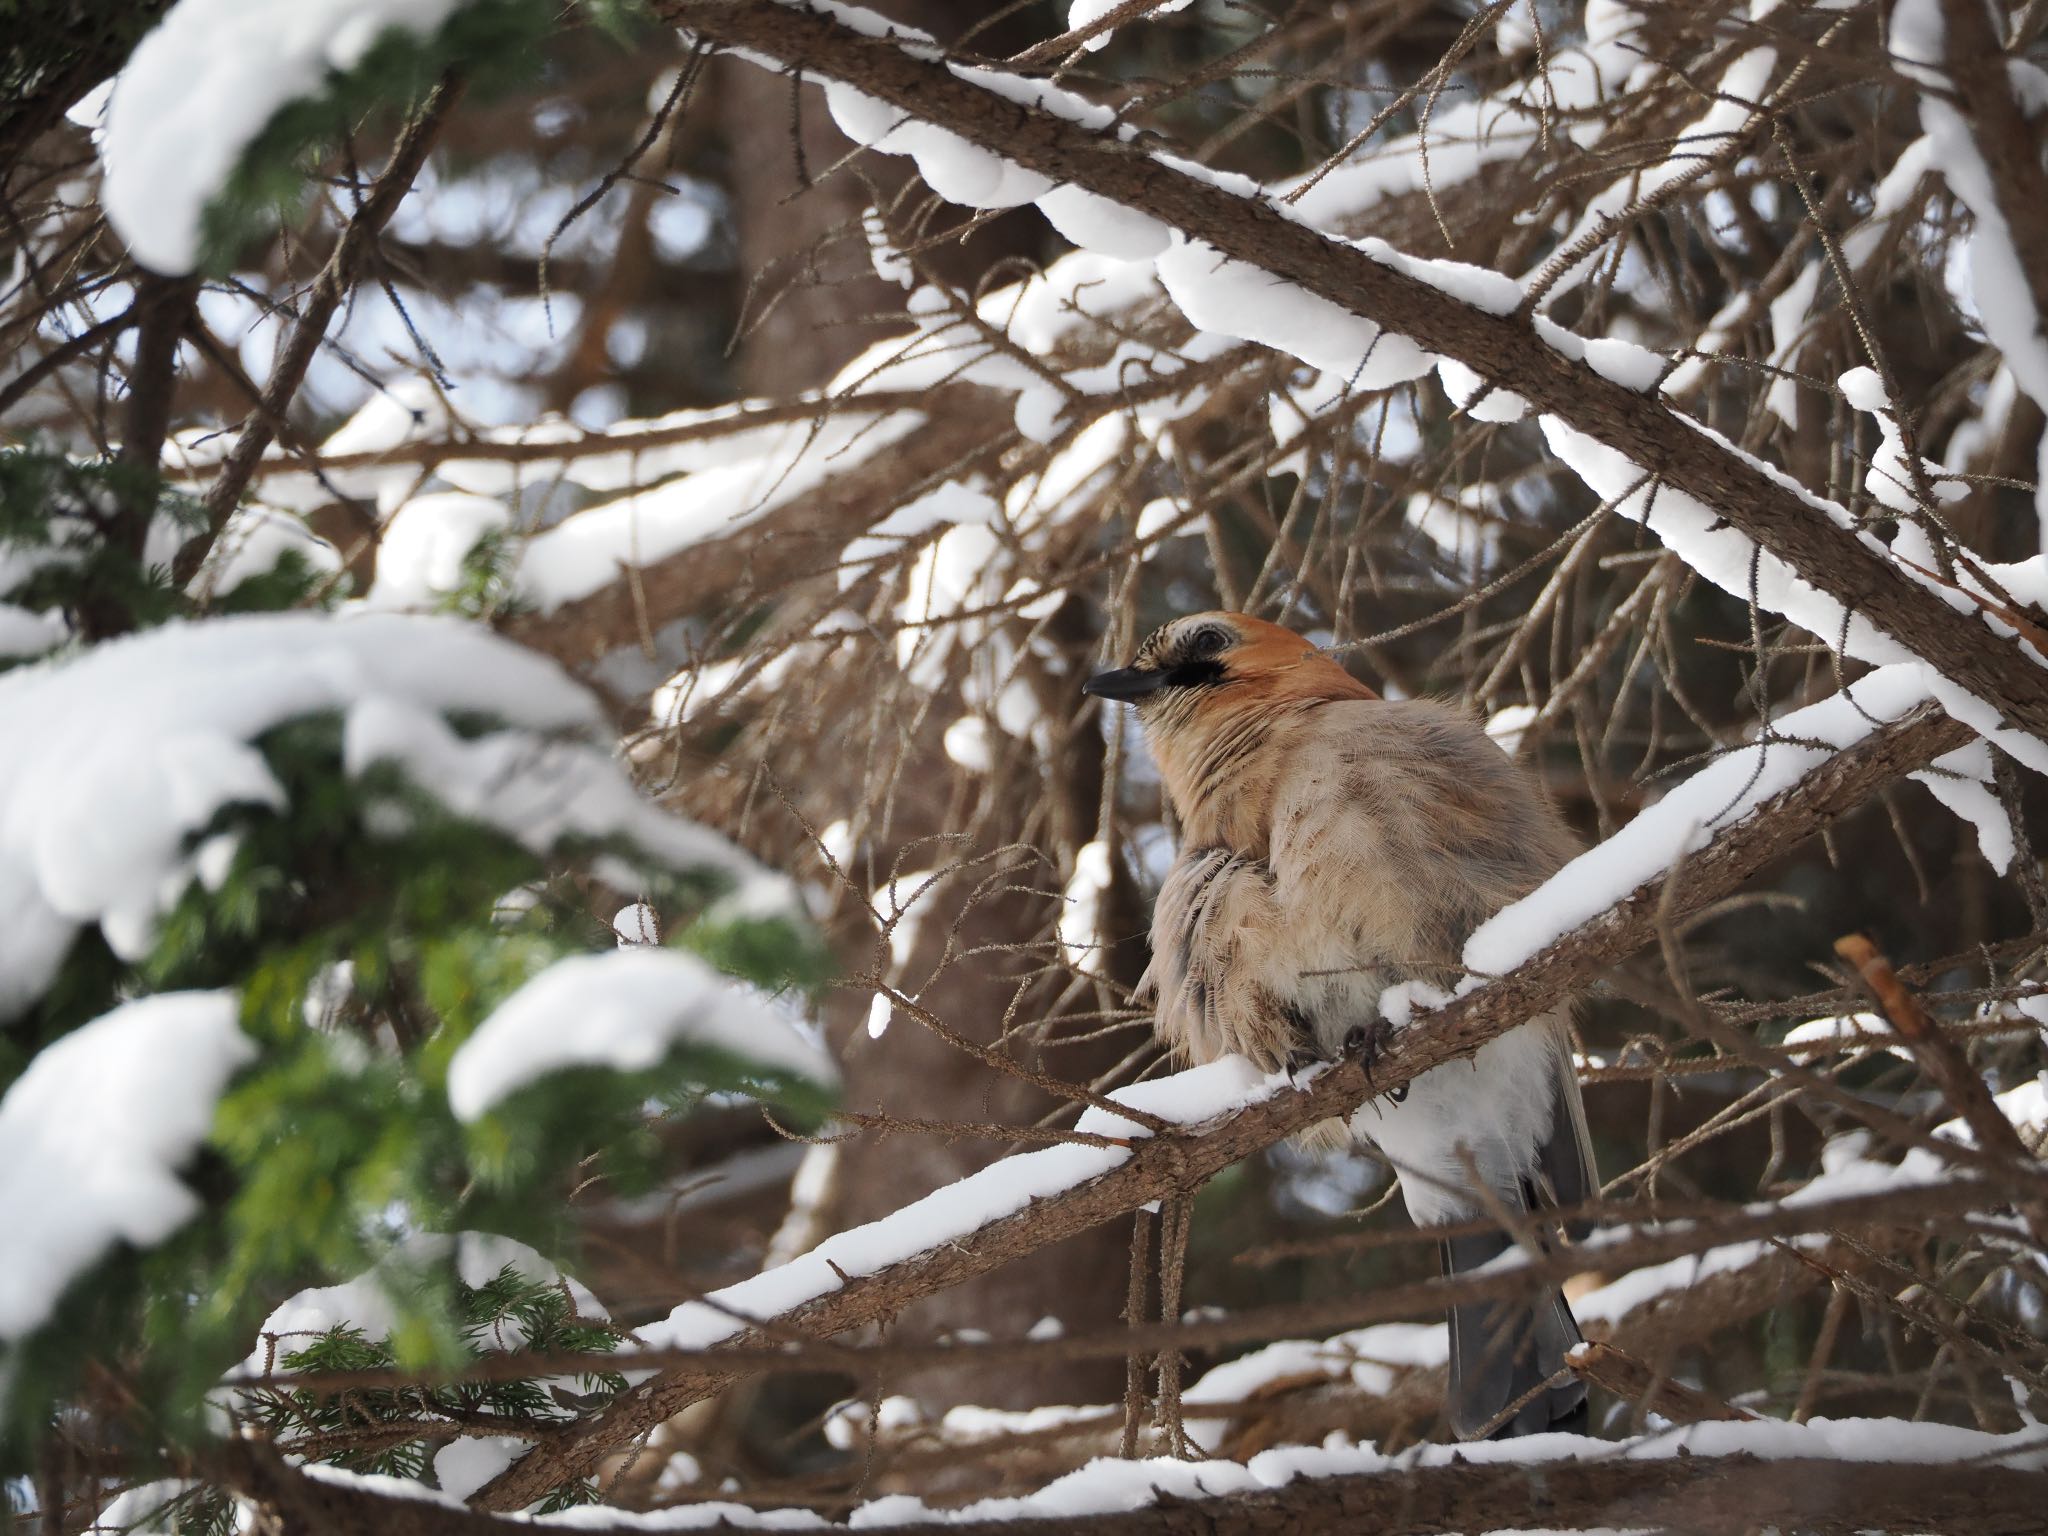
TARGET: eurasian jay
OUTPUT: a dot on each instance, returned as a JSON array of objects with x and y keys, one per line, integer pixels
[{"x": 1333, "y": 843}]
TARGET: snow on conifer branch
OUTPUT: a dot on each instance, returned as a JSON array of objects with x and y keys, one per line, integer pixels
[{"x": 1274, "y": 279}]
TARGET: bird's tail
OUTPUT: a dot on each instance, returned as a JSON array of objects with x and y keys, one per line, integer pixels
[{"x": 1502, "y": 1350}]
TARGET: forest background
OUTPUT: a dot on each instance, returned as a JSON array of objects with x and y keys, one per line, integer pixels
[{"x": 396, "y": 1035}]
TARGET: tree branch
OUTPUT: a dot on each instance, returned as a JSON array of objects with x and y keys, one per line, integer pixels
[
  {"x": 540, "y": 448},
  {"x": 1684, "y": 1493},
  {"x": 1502, "y": 349},
  {"x": 72, "y": 348},
  {"x": 2009, "y": 144},
  {"x": 336, "y": 280},
  {"x": 805, "y": 535}
]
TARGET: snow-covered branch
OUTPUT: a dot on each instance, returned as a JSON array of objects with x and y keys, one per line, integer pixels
[
  {"x": 1238, "y": 260},
  {"x": 1845, "y": 1476}
]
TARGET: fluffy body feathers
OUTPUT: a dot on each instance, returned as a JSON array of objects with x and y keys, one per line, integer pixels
[{"x": 1332, "y": 844}]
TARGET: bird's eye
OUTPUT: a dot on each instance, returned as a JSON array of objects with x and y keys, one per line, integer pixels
[{"x": 1208, "y": 641}]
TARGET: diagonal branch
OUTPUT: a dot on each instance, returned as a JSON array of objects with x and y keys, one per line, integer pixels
[
  {"x": 1503, "y": 349},
  {"x": 1161, "y": 1166},
  {"x": 802, "y": 537},
  {"x": 335, "y": 282},
  {"x": 2009, "y": 143}
]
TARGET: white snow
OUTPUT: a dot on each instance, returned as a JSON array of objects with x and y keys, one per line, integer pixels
[
  {"x": 588, "y": 550},
  {"x": 708, "y": 685},
  {"x": 1846, "y": 1169},
  {"x": 120, "y": 757},
  {"x": 1727, "y": 557},
  {"x": 374, "y": 1300},
  {"x": 1462, "y": 137},
  {"x": 2003, "y": 297},
  {"x": 152, "y": 1509},
  {"x": 1111, "y": 1485},
  {"x": 636, "y": 923},
  {"x": 947, "y": 505},
  {"x": 252, "y": 543},
  {"x": 1890, "y": 480},
  {"x": 1469, "y": 392},
  {"x": 1961, "y": 780},
  {"x": 1081, "y": 12},
  {"x": 853, "y": 1423},
  {"x": 625, "y": 1009},
  {"x": 25, "y": 632},
  {"x": 93, "y": 1133},
  {"x": 1366, "y": 1357},
  {"x": 1096, "y": 224},
  {"x": 467, "y": 1462},
  {"x": 1163, "y": 518},
  {"x": 1234, "y": 298},
  {"x": 1736, "y": 100},
  {"x": 1465, "y": 538},
  {"x": 1508, "y": 726},
  {"x": 967, "y": 1423},
  {"x": 1856, "y": 1033},
  {"x": 1080, "y": 920},
  {"x": 420, "y": 553},
  {"x": 967, "y": 743},
  {"x": 200, "y": 88},
  {"x": 1686, "y": 819},
  {"x": 1897, "y": 195},
  {"x": 958, "y": 171},
  {"x": 890, "y": 264}
]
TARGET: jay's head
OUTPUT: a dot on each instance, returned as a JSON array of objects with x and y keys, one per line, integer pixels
[{"x": 1205, "y": 664}]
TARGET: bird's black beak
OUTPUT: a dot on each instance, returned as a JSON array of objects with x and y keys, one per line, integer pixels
[{"x": 1125, "y": 684}]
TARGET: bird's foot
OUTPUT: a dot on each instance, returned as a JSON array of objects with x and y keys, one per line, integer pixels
[
  {"x": 1299, "y": 1060},
  {"x": 1363, "y": 1043}
]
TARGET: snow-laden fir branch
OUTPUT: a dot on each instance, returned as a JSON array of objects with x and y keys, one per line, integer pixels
[{"x": 1238, "y": 260}]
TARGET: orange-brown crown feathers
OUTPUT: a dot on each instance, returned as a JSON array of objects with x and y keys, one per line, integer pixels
[
  {"x": 1276, "y": 663},
  {"x": 1215, "y": 692}
]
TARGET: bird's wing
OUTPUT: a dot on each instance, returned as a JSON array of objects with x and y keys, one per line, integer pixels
[
  {"x": 1564, "y": 1162},
  {"x": 1211, "y": 939}
]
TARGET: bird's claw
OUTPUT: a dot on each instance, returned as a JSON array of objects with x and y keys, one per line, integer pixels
[
  {"x": 1363, "y": 1043},
  {"x": 1298, "y": 1060}
]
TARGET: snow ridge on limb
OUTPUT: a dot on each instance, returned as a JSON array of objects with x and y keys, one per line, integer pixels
[
  {"x": 1156, "y": 1166},
  {"x": 1975, "y": 104},
  {"x": 1440, "y": 309},
  {"x": 1728, "y": 1475}
]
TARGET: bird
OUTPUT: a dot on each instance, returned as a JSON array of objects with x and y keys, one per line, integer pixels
[{"x": 1331, "y": 844}]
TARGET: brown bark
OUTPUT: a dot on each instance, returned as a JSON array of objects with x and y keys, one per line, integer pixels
[{"x": 807, "y": 310}]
